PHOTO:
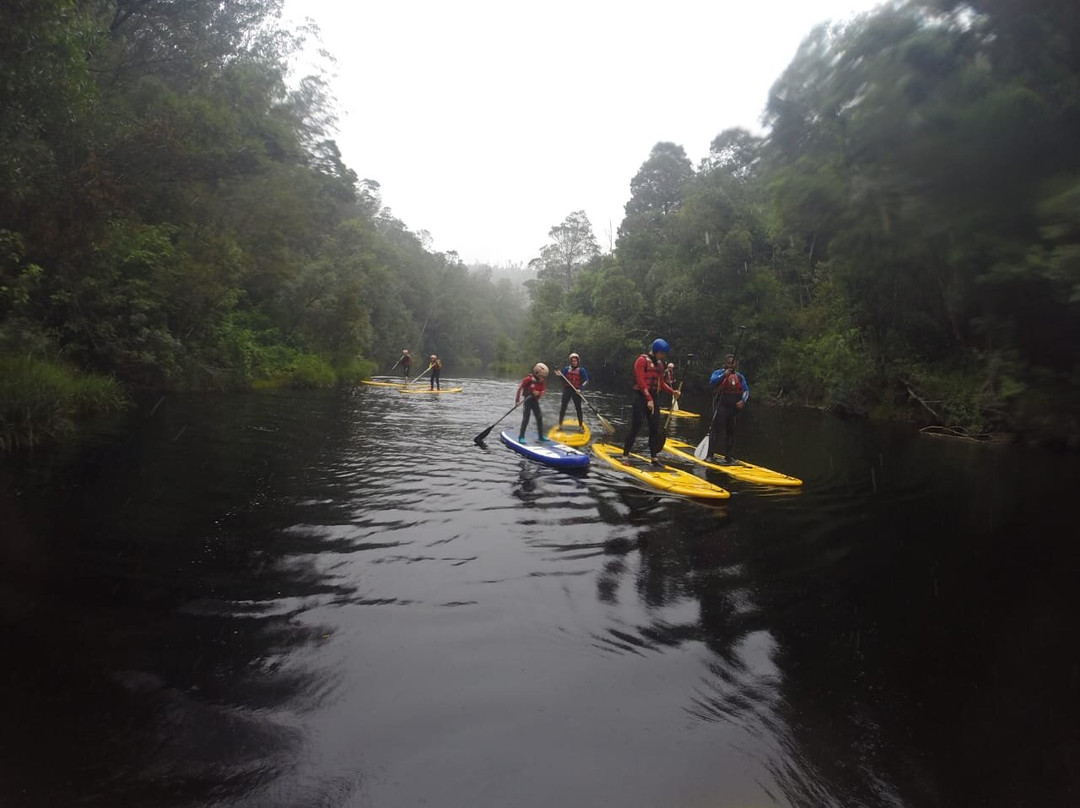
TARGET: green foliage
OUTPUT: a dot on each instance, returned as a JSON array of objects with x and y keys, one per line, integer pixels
[
  {"x": 907, "y": 231},
  {"x": 41, "y": 400},
  {"x": 176, "y": 215}
]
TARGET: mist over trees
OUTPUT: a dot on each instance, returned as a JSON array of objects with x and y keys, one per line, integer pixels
[
  {"x": 175, "y": 212},
  {"x": 904, "y": 237}
]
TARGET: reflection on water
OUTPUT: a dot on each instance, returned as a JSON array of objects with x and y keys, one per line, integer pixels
[{"x": 337, "y": 599}]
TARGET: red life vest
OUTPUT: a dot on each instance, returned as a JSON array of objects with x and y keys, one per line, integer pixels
[
  {"x": 730, "y": 385},
  {"x": 573, "y": 375},
  {"x": 654, "y": 374}
]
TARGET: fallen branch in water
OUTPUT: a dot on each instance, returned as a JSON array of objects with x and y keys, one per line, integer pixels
[
  {"x": 925, "y": 404},
  {"x": 954, "y": 432}
]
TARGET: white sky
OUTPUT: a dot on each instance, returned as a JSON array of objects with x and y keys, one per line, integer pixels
[{"x": 488, "y": 122}]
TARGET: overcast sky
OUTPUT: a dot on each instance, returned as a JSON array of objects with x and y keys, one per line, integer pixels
[{"x": 488, "y": 122}]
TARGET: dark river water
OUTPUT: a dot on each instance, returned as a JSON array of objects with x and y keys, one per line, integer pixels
[{"x": 337, "y": 599}]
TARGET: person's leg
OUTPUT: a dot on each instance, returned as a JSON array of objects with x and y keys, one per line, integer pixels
[
  {"x": 657, "y": 439},
  {"x": 567, "y": 394},
  {"x": 637, "y": 416},
  {"x": 525, "y": 412},
  {"x": 539, "y": 421},
  {"x": 577, "y": 406},
  {"x": 729, "y": 434}
]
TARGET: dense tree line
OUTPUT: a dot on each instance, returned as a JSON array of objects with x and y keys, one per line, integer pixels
[
  {"x": 905, "y": 237},
  {"x": 175, "y": 213}
]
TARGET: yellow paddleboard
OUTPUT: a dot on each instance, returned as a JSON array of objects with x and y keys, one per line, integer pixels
[
  {"x": 418, "y": 389},
  {"x": 740, "y": 469},
  {"x": 567, "y": 434},
  {"x": 672, "y": 480},
  {"x": 382, "y": 384},
  {"x": 681, "y": 414}
]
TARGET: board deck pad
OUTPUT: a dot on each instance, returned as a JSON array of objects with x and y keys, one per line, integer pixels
[
  {"x": 567, "y": 434},
  {"x": 667, "y": 478},
  {"x": 739, "y": 470}
]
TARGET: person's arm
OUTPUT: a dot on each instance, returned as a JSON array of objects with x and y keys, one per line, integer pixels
[
  {"x": 745, "y": 389},
  {"x": 584, "y": 378},
  {"x": 520, "y": 391}
]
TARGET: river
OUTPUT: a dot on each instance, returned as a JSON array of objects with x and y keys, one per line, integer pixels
[{"x": 337, "y": 599}]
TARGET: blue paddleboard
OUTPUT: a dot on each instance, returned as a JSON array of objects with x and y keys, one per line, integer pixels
[{"x": 554, "y": 454}]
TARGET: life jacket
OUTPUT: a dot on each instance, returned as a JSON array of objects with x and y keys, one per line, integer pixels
[
  {"x": 730, "y": 385},
  {"x": 654, "y": 374},
  {"x": 573, "y": 375},
  {"x": 531, "y": 385},
  {"x": 436, "y": 365},
  {"x": 406, "y": 361}
]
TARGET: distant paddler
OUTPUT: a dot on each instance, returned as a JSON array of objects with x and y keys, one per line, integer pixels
[
  {"x": 574, "y": 377},
  {"x": 405, "y": 362},
  {"x": 649, "y": 371},
  {"x": 436, "y": 372}
]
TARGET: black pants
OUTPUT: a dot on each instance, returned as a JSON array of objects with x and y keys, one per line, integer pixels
[
  {"x": 435, "y": 374},
  {"x": 532, "y": 407},
  {"x": 640, "y": 414},
  {"x": 405, "y": 370},
  {"x": 567, "y": 394},
  {"x": 726, "y": 412}
]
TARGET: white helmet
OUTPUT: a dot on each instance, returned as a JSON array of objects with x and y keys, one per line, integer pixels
[
  {"x": 433, "y": 357},
  {"x": 404, "y": 350},
  {"x": 540, "y": 369},
  {"x": 575, "y": 356},
  {"x": 671, "y": 366}
]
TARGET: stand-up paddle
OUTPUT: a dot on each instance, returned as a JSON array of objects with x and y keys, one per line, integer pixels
[
  {"x": 418, "y": 378},
  {"x": 703, "y": 448},
  {"x": 603, "y": 421},
  {"x": 479, "y": 439},
  {"x": 674, "y": 407}
]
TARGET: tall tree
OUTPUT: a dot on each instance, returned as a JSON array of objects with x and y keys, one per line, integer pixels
[{"x": 573, "y": 246}]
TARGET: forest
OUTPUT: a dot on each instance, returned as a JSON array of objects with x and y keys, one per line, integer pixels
[
  {"x": 175, "y": 215},
  {"x": 902, "y": 241}
]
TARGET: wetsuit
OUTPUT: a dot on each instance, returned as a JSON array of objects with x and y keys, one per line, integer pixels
[
  {"x": 731, "y": 390},
  {"x": 436, "y": 374},
  {"x": 648, "y": 382},
  {"x": 576, "y": 378},
  {"x": 531, "y": 388}
]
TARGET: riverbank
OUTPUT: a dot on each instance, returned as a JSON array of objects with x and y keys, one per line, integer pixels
[{"x": 43, "y": 401}]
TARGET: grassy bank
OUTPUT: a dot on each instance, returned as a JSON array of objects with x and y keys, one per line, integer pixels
[{"x": 41, "y": 400}]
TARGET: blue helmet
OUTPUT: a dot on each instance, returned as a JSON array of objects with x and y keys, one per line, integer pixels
[{"x": 660, "y": 346}]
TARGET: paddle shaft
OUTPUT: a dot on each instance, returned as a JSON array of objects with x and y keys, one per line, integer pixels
[
  {"x": 480, "y": 437},
  {"x": 418, "y": 378}
]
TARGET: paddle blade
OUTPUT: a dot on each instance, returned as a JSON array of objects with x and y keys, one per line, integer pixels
[
  {"x": 701, "y": 451},
  {"x": 606, "y": 424},
  {"x": 479, "y": 439}
]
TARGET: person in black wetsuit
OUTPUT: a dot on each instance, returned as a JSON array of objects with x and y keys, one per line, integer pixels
[
  {"x": 575, "y": 377},
  {"x": 648, "y": 382},
  {"x": 405, "y": 361},
  {"x": 436, "y": 372},
  {"x": 732, "y": 393},
  {"x": 532, "y": 389}
]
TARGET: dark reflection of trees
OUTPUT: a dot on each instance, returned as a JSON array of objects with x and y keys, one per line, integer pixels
[
  {"x": 920, "y": 652},
  {"x": 150, "y": 596}
]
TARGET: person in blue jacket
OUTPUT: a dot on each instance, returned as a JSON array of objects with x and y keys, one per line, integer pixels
[
  {"x": 732, "y": 393},
  {"x": 575, "y": 377}
]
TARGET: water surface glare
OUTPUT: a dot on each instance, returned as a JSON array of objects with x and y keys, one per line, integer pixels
[{"x": 337, "y": 599}]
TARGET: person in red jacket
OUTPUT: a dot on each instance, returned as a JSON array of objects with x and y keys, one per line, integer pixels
[
  {"x": 648, "y": 382},
  {"x": 532, "y": 389}
]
